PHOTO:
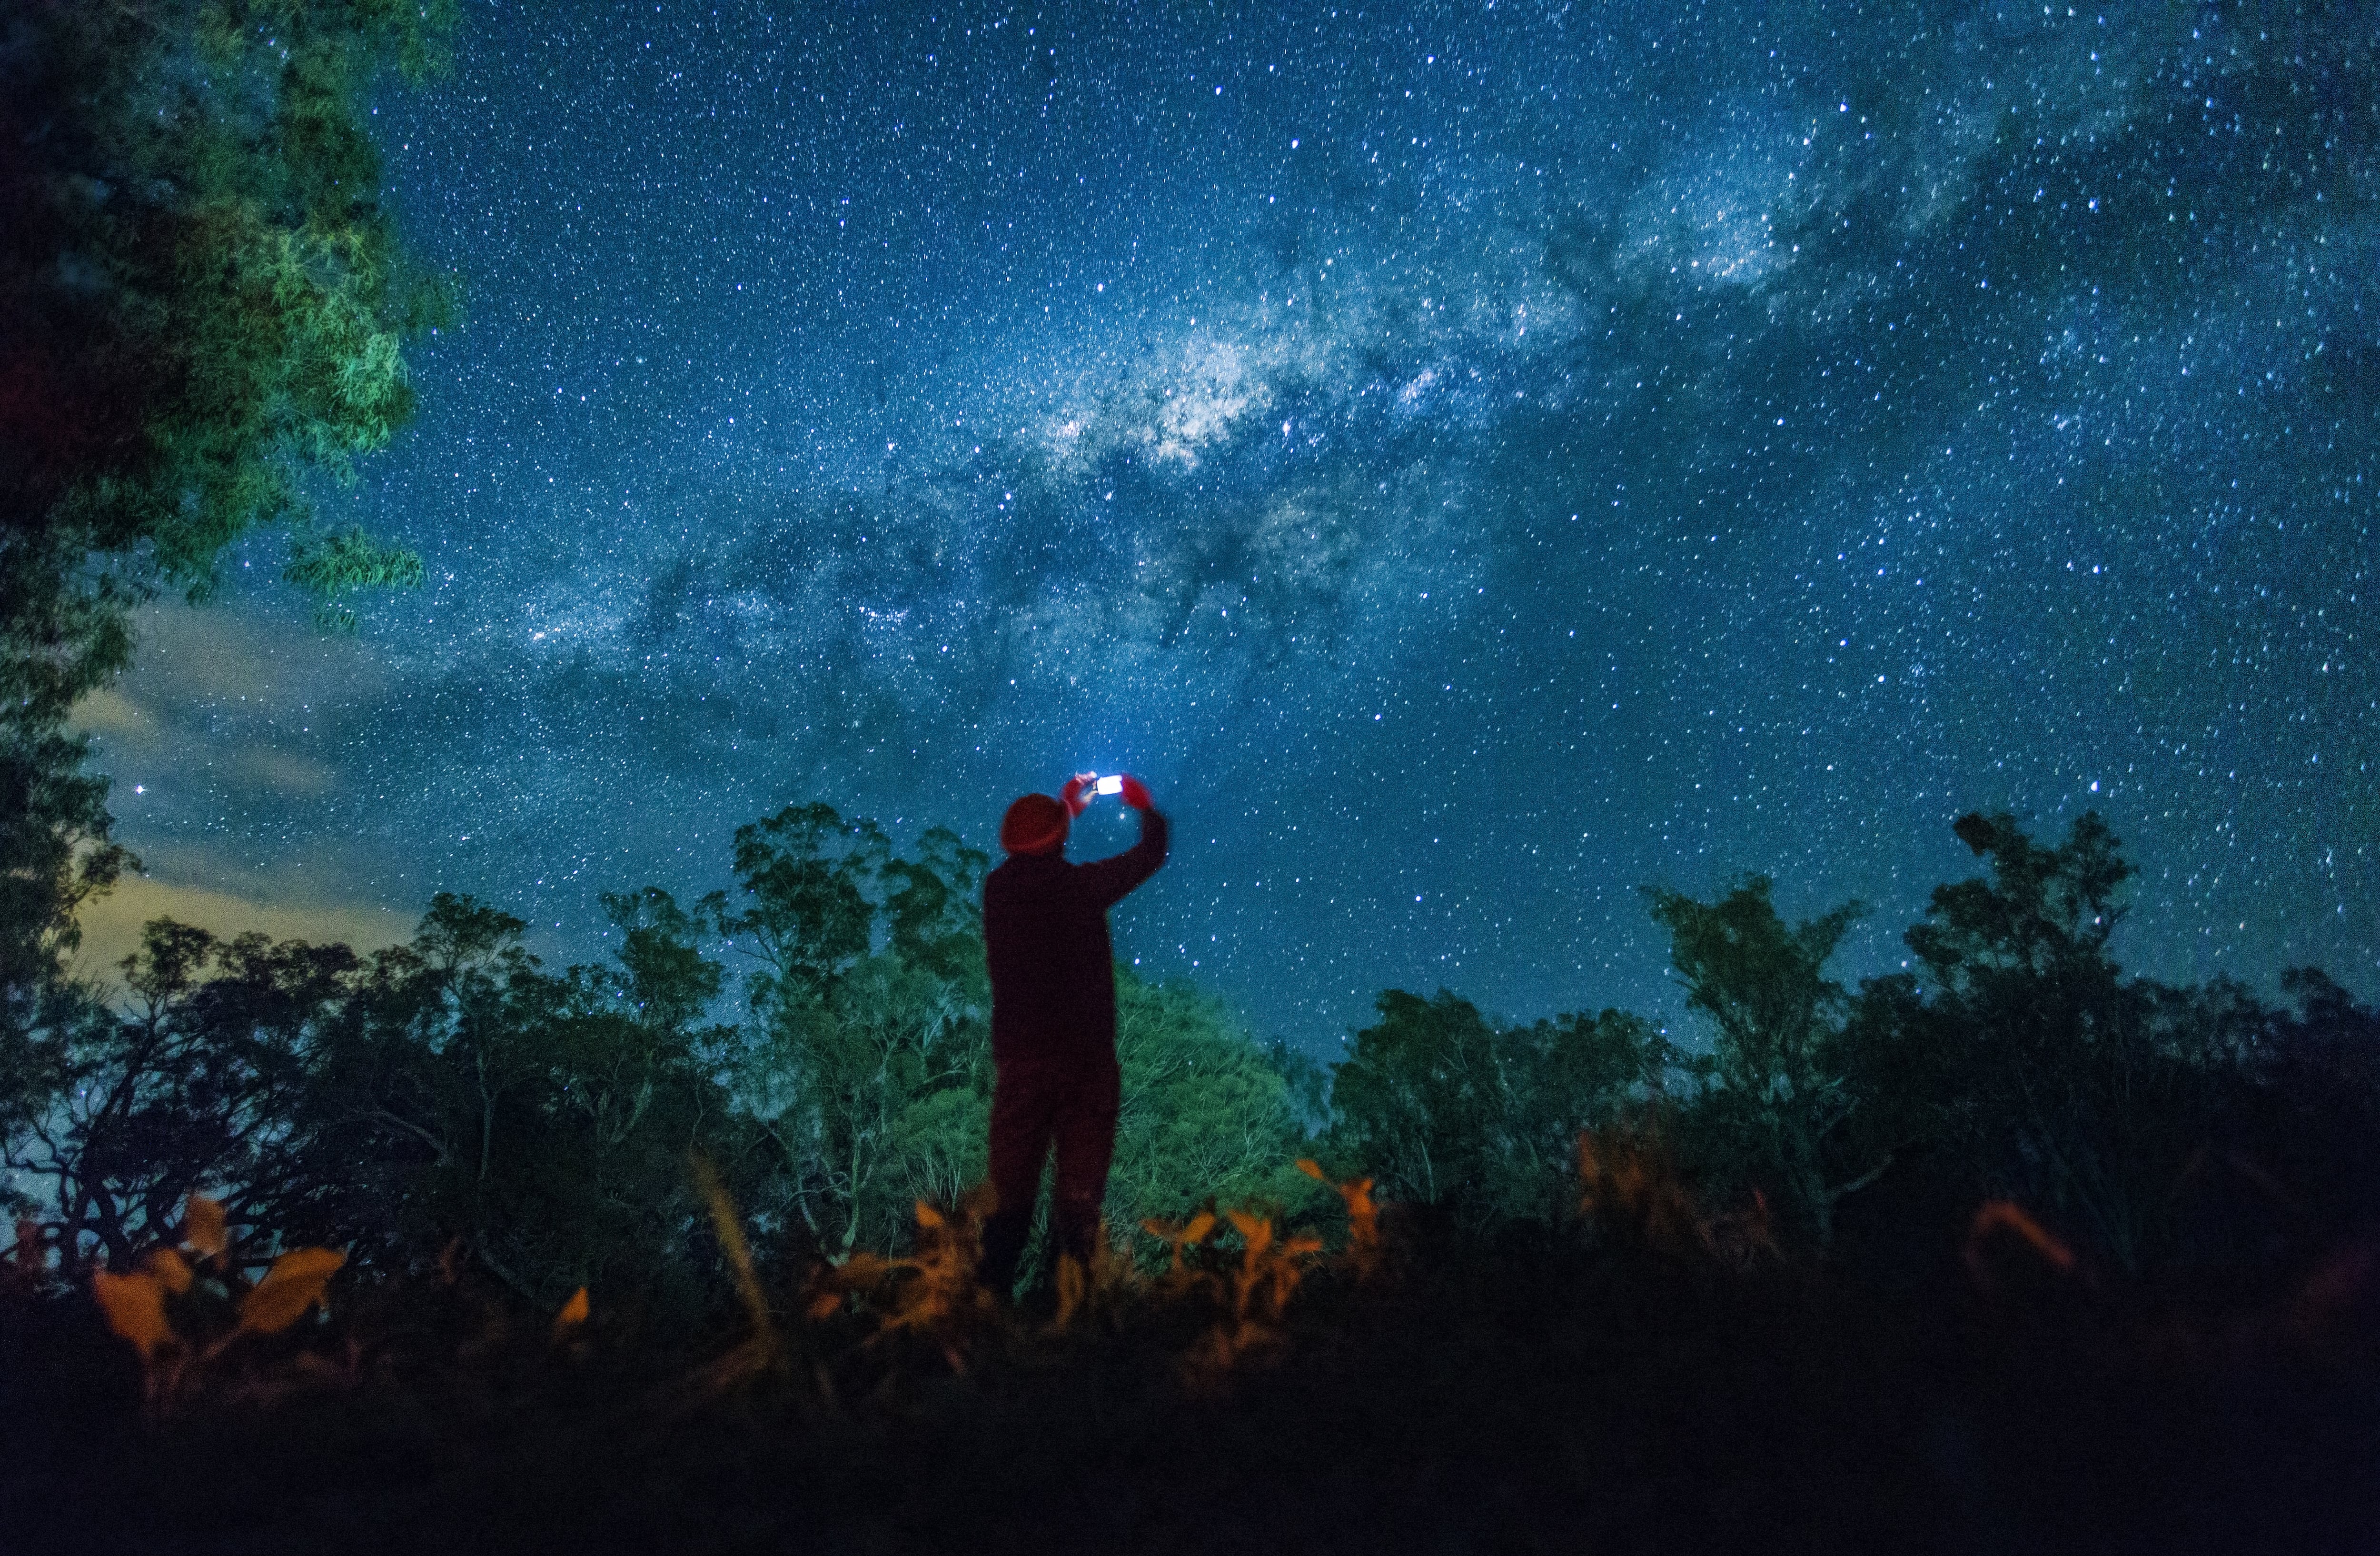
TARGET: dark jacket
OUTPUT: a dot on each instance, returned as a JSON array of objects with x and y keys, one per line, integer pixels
[{"x": 1045, "y": 934}]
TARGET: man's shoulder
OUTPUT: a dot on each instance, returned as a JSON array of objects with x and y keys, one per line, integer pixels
[{"x": 1023, "y": 873}]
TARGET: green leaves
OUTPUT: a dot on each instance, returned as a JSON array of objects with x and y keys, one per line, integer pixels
[
  {"x": 668, "y": 980},
  {"x": 222, "y": 303},
  {"x": 2044, "y": 909},
  {"x": 460, "y": 931},
  {"x": 1422, "y": 1101},
  {"x": 809, "y": 881},
  {"x": 205, "y": 303},
  {"x": 1205, "y": 1116},
  {"x": 1761, "y": 983},
  {"x": 872, "y": 1067},
  {"x": 1447, "y": 1108},
  {"x": 934, "y": 909},
  {"x": 331, "y": 566},
  {"x": 1781, "y": 1096},
  {"x": 2026, "y": 1055},
  {"x": 453, "y": 1092}
]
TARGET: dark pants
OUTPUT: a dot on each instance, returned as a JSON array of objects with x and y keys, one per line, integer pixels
[{"x": 1035, "y": 1104}]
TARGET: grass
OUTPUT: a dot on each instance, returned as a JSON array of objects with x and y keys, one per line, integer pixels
[{"x": 1640, "y": 1381}]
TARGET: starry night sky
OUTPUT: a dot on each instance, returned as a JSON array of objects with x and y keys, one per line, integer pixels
[{"x": 1473, "y": 461}]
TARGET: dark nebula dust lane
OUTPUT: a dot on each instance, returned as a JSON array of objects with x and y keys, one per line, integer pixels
[{"x": 1472, "y": 462}]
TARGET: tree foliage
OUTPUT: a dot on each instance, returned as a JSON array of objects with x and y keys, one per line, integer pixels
[
  {"x": 869, "y": 1059},
  {"x": 1209, "y": 1117},
  {"x": 1441, "y": 1106},
  {"x": 454, "y": 1097},
  {"x": 203, "y": 296},
  {"x": 2016, "y": 1062},
  {"x": 204, "y": 304},
  {"x": 191, "y": 1085},
  {"x": 871, "y": 1013},
  {"x": 2027, "y": 1061},
  {"x": 544, "y": 1120},
  {"x": 445, "y": 1090},
  {"x": 1771, "y": 1113}
]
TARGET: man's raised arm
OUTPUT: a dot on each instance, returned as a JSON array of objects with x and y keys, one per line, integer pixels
[{"x": 1110, "y": 880}]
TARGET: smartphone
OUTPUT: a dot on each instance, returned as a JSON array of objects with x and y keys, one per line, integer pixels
[{"x": 1110, "y": 784}]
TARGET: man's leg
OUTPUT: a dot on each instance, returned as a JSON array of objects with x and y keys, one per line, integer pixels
[
  {"x": 1086, "y": 1128},
  {"x": 1024, "y": 1108}
]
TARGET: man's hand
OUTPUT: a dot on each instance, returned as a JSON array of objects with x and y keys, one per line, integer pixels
[
  {"x": 1075, "y": 795},
  {"x": 1136, "y": 794}
]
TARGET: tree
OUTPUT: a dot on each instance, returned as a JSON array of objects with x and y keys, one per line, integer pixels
[
  {"x": 197, "y": 1087},
  {"x": 1574, "y": 1073},
  {"x": 2023, "y": 1058},
  {"x": 2316, "y": 1127},
  {"x": 811, "y": 882},
  {"x": 1207, "y": 1116},
  {"x": 1308, "y": 1080},
  {"x": 1773, "y": 1118},
  {"x": 1442, "y": 1107},
  {"x": 59, "y": 639},
  {"x": 447, "y": 1088},
  {"x": 202, "y": 304},
  {"x": 1420, "y": 1104},
  {"x": 933, "y": 910},
  {"x": 203, "y": 296},
  {"x": 871, "y": 1067},
  {"x": 546, "y": 1121}
]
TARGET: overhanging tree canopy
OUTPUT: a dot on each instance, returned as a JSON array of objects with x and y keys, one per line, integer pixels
[{"x": 204, "y": 304}]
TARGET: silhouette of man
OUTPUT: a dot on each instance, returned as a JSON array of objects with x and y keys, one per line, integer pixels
[{"x": 1044, "y": 931}]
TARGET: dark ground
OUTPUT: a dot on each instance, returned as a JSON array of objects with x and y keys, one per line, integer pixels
[{"x": 1531, "y": 1395}]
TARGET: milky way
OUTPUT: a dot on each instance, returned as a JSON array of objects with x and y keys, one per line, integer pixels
[{"x": 1472, "y": 462}]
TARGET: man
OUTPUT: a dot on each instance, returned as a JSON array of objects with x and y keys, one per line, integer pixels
[{"x": 1044, "y": 931}]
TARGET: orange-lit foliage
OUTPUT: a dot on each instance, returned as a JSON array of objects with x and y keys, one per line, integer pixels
[
  {"x": 293, "y": 1285},
  {"x": 1234, "y": 1273},
  {"x": 931, "y": 1294},
  {"x": 1074, "y": 1292},
  {"x": 922, "y": 1290},
  {"x": 1270, "y": 1267},
  {"x": 135, "y": 1303},
  {"x": 204, "y": 1230},
  {"x": 1177, "y": 1237},
  {"x": 1229, "y": 1280},
  {"x": 1102, "y": 1285},
  {"x": 1363, "y": 1254},
  {"x": 170, "y": 1271},
  {"x": 2007, "y": 1216},
  {"x": 31, "y": 1255},
  {"x": 1744, "y": 1237},
  {"x": 760, "y": 1352},
  {"x": 1630, "y": 1188},
  {"x": 1255, "y": 1294},
  {"x": 135, "y": 1306}
]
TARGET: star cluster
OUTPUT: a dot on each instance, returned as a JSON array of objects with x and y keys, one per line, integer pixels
[{"x": 1472, "y": 461}]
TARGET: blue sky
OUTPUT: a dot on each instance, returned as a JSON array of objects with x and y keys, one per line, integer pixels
[{"x": 1473, "y": 461}]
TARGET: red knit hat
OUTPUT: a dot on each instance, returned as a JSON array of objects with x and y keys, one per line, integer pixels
[{"x": 1035, "y": 824}]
